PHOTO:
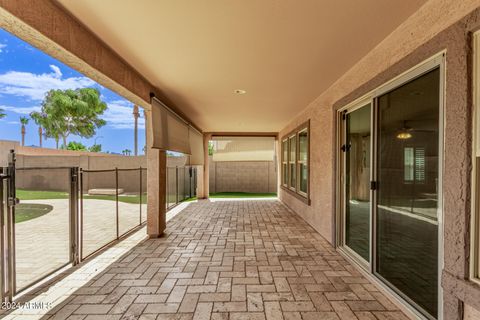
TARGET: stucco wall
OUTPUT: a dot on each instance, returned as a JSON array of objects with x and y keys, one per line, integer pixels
[
  {"x": 438, "y": 25},
  {"x": 242, "y": 176},
  {"x": 5, "y": 147},
  {"x": 57, "y": 179}
]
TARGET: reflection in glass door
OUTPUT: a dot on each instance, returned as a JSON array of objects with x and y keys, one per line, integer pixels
[
  {"x": 357, "y": 181},
  {"x": 407, "y": 196}
]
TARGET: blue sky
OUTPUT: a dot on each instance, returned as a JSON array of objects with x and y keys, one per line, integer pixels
[{"x": 27, "y": 73}]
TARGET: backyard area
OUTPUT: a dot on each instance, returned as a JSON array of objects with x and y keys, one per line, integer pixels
[
  {"x": 42, "y": 229},
  {"x": 43, "y": 222}
]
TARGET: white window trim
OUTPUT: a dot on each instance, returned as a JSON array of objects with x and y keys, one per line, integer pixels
[
  {"x": 294, "y": 137},
  {"x": 285, "y": 162},
  {"x": 475, "y": 209},
  {"x": 298, "y": 162}
]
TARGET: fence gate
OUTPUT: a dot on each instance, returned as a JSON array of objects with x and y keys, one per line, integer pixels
[
  {"x": 112, "y": 204},
  {"x": 54, "y": 217},
  {"x": 34, "y": 244},
  {"x": 8, "y": 200}
]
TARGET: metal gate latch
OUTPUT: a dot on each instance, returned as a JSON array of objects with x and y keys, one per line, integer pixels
[{"x": 13, "y": 201}]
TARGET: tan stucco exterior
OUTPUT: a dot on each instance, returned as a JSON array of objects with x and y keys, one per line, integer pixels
[
  {"x": 437, "y": 26},
  {"x": 423, "y": 25}
]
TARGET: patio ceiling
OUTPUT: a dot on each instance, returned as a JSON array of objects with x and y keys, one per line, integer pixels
[{"x": 282, "y": 53}]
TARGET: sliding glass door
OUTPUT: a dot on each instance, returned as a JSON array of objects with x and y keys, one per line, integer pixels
[
  {"x": 391, "y": 192},
  {"x": 356, "y": 150},
  {"x": 408, "y": 174}
]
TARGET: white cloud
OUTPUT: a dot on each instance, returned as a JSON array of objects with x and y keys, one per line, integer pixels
[
  {"x": 2, "y": 46},
  {"x": 35, "y": 86},
  {"x": 56, "y": 71},
  {"x": 21, "y": 110},
  {"x": 119, "y": 115}
]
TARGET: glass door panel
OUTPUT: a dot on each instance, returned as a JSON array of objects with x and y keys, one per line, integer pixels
[
  {"x": 357, "y": 181},
  {"x": 406, "y": 219}
]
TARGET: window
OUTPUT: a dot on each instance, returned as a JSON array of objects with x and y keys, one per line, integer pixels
[
  {"x": 302, "y": 163},
  {"x": 295, "y": 159},
  {"x": 414, "y": 164},
  {"x": 292, "y": 157},
  {"x": 284, "y": 162}
]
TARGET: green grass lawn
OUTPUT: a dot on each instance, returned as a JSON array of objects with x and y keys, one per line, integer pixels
[
  {"x": 45, "y": 195},
  {"x": 28, "y": 211}
]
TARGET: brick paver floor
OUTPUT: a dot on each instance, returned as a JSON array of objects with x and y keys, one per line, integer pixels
[
  {"x": 230, "y": 260},
  {"x": 42, "y": 244}
]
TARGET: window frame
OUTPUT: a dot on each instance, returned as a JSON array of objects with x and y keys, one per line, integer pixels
[
  {"x": 295, "y": 190},
  {"x": 292, "y": 185},
  {"x": 284, "y": 170},
  {"x": 298, "y": 162},
  {"x": 415, "y": 179},
  {"x": 475, "y": 189}
]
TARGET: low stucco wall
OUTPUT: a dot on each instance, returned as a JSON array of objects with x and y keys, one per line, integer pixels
[
  {"x": 54, "y": 176},
  {"x": 438, "y": 25},
  {"x": 242, "y": 176}
]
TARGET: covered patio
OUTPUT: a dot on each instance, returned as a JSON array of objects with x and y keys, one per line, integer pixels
[
  {"x": 251, "y": 259},
  {"x": 372, "y": 108}
]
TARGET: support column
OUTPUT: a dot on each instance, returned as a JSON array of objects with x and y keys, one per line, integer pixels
[
  {"x": 156, "y": 186},
  {"x": 206, "y": 170}
]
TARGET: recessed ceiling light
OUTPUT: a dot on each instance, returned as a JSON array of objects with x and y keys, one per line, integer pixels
[{"x": 240, "y": 91}]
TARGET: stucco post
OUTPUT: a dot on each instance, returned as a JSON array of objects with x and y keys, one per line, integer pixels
[
  {"x": 206, "y": 171},
  {"x": 156, "y": 186}
]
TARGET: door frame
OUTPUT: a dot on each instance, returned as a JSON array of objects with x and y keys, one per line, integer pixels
[
  {"x": 341, "y": 239},
  {"x": 436, "y": 61}
]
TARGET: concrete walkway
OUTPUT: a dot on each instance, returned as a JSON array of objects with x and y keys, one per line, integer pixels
[{"x": 221, "y": 260}]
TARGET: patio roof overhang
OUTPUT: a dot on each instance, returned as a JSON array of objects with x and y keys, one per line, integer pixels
[{"x": 283, "y": 54}]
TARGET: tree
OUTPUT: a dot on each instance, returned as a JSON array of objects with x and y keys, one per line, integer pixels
[
  {"x": 2, "y": 114},
  {"x": 136, "y": 114},
  {"x": 66, "y": 112},
  {"x": 24, "y": 122},
  {"x": 75, "y": 146},
  {"x": 40, "y": 134},
  {"x": 127, "y": 152},
  {"x": 210, "y": 148},
  {"x": 95, "y": 148}
]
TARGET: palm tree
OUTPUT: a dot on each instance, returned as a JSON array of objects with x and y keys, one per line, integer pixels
[
  {"x": 136, "y": 114},
  {"x": 40, "y": 133},
  {"x": 2, "y": 114},
  {"x": 24, "y": 122},
  {"x": 127, "y": 152}
]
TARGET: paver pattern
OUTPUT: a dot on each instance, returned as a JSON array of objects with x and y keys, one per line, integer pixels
[
  {"x": 42, "y": 244},
  {"x": 230, "y": 260}
]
